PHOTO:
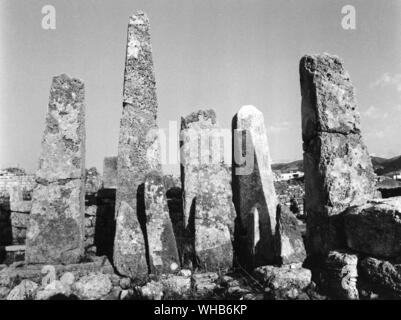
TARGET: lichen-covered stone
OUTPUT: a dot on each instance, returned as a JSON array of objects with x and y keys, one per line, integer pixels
[
  {"x": 56, "y": 228},
  {"x": 63, "y": 144},
  {"x": 93, "y": 286},
  {"x": 382, "y": 276},
  {"x": 342, "y": 275},
  {"x": 283, "y": 283},
  {"x": 208, "y": 209},
  {"x": 163, "y": 254},
  {"x": 289, "y": 243},
  {"x": 254, "y": 194},
  {"x": 338, "y": 169},
  {"x": 374, "y": 228},
  {"x": 129, "y": 247},
  {"x": 110, "y": 172},
  {"x": 138, "y": 148}
]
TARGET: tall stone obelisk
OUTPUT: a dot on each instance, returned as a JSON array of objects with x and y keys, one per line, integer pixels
[
  {"x": 138, "y": 149},
  {"x": 56, "y": 227}
]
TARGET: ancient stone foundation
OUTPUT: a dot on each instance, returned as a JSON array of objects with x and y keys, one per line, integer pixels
[
  {"x": 338, "y": 170},
  {"x": 56, "y": 227}
]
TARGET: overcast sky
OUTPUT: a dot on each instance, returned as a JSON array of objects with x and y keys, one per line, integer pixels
[{"x": 218, "y": 54}]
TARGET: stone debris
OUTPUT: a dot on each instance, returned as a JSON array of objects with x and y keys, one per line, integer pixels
[
  {"x": 283, "y": 283},
  {"x": 56, "y": 228},
  {"x": 254, "y": 194},
  {"x": 163, "y": 254},
  {"x": 382, "y": 277},
  {"x": 338, "y": 169},
  {"x": 374, "y": 228},
  {"x": 208, "y": 209},
  {"x": 26, "y": 290},
  {"x": 342, "y": 275},
  {"x": 138, "y": 148},
  {"x": 93, "y": 286}
]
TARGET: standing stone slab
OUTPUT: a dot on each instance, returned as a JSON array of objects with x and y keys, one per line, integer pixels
[
  {"x": 163, "y": 254},
  {"x": 208, "y": 209},
  {"x": 110, "y": 172},
  {"x": 138, "y": 149},
  {"x": 254, "y": 194},
  {"x": 338, "y": 169},
  {"x": 56, "y": 227}
]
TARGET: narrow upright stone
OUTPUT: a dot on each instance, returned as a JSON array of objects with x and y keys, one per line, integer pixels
[
  {"x": 338, "y": 169},
  {"x": 163, "y": 254},
  {"x": 254, "y": 194},
  {"x": 110, "y": 173},
  {"x": 56, "y": 227},
  {"x": 138, "y": 149},
  {"x": 208, "y": 209}
]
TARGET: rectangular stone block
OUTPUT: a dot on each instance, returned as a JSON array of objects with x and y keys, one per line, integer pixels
[
  {"x": 374, "y": 228},
  {"x": 338, "y": 169}
]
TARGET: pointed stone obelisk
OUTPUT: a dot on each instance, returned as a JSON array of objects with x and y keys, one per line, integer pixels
[
  {"x": 138, "y": 148},
  {"x": 209, "y": 213},
  {"x": 338, "y": 169},
  {"x": 56, "y": 227},
  {"x": 254, "y": 194}
]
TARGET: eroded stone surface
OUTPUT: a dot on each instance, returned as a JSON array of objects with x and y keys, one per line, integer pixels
[
  {"x": 342, "y": 275},
  {"x": 382, "y": 276},
  {"x": 254, "y": 194},
  {"x": 338, "y": 170},
  {"x": 290, "y": 247},
  {"x": 163, "y": 254},
  {"x": 283, "y": 283},
  {"x": 138, "y": 149},
  {"x": 208, "y": 209},
  {"x": 129, "y": 244},
  {"x": 374, "y": 228},
  {"x": 56, "y": 228}
]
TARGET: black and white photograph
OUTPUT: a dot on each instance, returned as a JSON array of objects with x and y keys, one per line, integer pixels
[{"x": 200, "y": 150}]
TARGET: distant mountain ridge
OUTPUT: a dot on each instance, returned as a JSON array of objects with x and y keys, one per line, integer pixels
[{"x": 381, "y": 166}]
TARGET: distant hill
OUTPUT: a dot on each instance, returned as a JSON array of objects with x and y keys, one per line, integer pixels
[{"x": 381, "y": 166}]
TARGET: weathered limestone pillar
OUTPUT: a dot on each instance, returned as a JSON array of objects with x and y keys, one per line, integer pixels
[
  {"x": 56, "y": 227},
  {"x": 208, "y": 209},
  {"x": 163, "y": 254},
  {"x": 138, "y": 149},
  {"x": 254, "y": 194},
  {"x": 338, "y": 169}
]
